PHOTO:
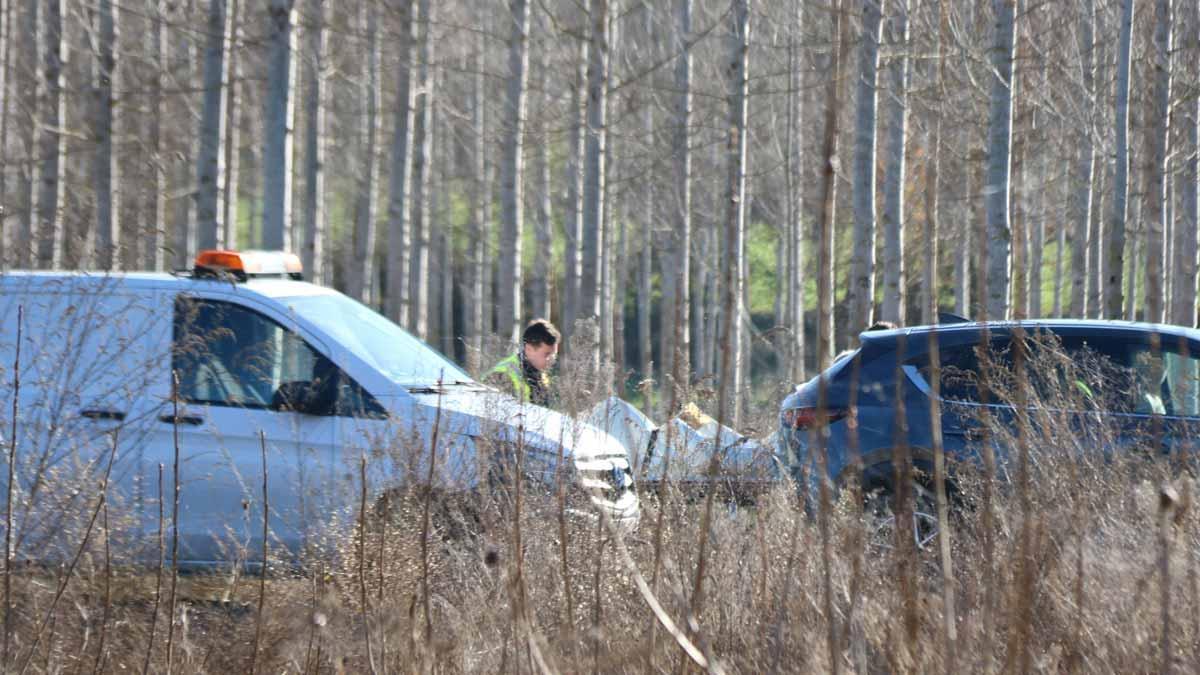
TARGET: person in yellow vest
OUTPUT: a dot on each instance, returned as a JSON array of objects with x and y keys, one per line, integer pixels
[{"x": 526, "y": 373}]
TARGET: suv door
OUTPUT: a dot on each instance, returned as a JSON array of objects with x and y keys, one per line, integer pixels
[{"x": 237, "y": 365}]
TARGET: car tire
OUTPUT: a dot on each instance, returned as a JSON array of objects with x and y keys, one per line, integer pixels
[{"x": 879, "y": 503}]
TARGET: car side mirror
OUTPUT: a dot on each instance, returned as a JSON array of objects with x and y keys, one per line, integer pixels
[{"x": 303, "y": 397}]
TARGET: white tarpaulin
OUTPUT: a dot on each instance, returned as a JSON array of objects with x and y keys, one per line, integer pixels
[{"x": 679, "y": 451}]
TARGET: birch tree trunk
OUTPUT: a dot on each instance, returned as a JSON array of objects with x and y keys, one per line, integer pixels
[
  {"x": 52, "y": 116},
  {"x": 1120, "y": 192},
  {"x": 399, "y": 189},
  {"x": 894, "y": 277},
  {"x": 573, "y": 230},
  {"x": 105, "y": 170},
  {"x": 999, "y": 228},
  {"x": 27, "y": 88},
  {"x": 361, "y": 267},
  {"x": 512, "y": 182},
  {"x": 592, "y": 246},
  {"x": 277, "y": 128},
  {"x": 419, "y": 282},
  {"x": 312, "y": 252},
  {"x": 210, "y": 164},
  {"x": 1083, "y": 178},
  {"x": 1158, "y": 129},
  {"x": 860, "y": 288},
  {"x": 233, "y": 103}
]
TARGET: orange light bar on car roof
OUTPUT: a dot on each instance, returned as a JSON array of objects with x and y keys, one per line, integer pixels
[{"x": 251, "y": 262}]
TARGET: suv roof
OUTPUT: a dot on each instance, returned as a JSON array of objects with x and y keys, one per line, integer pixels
[{"x": 1078, "y": 326}]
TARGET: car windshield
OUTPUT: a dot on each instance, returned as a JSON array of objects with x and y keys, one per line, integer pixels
[{"x": 380, "y": 343}]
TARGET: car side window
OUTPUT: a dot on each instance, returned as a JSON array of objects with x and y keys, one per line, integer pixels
[
  {"x": 959, "y": 373},
  {"x": 230, "y": 355},
  {"x": 1164, "y": 380}
]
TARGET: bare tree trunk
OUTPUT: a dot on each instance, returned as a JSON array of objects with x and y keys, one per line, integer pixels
[
  {"x": 7, "y": 14},
  {"x": 1082, "y": 179},
  {"x": 793, "y": 171},
  {"x": 442, "y": 217},
  {"x": 233, "y": 102},
  {"x": 1120, "y": 191},
  {"x": 648, "y": 220},
  {"x": 312, "y": 252},
  {"x": 156, "y": 197},
  {"x": 733, "y": 262},
  {"x": 860, "y": 288},
  {"x": 1183, "y": 306},
  {"x": 105, "y": 170},
  {"x": 1158, "y": 129},
  {"x": 418, "y": 282},
  {"x": 277, "y": 127},
  {"x": 399, "y": 192},
  {"x": 1100, "y": 178},
  {"x": 27, "y": 88},
  {"x": 572, "y": 253},
  {"x": 210, "y": 167},
  {"x": 539, "y": 285},
  {"x": 512, "y": 201},
  {"x": 480, "y": 196},
  {"x": 185, "y": 79},
  {"x": 1137, "y": 246},
  {"x": 361, "y": 271},
  {"x": 680, "y": 352},
  {"x": 53, "y": 115},
  {"x": 593, "y": 247},
  {"x": 828, "y": 194},
  {"x": 999, "y": 227},
  {"x": 962, "y": 263},
  {"x": 894, "y": 276},
  {"x": 1037, "y": 239}
]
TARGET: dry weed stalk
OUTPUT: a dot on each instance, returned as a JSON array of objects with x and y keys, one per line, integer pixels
[
  {"x": 100, "y": 653},
  {"x": 262, "y": 575},
  {"x": 8, "y": 519},
  {"x": 362, "y": 560},
  {"x": 174, "y": 522},
  {"x": 157, "y": 576}
]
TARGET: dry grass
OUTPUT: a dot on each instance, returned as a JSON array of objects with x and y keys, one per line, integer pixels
[{"x": 1093, "y": 559}]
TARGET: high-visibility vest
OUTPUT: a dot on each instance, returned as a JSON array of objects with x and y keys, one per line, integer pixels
[{"x": 512, "y": 368}]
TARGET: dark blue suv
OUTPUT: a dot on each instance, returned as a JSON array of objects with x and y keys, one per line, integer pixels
[{"x": 1152, "y": 376}]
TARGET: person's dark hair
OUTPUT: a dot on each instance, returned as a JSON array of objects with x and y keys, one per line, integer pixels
[
  {"x": 540, "y": 332},
  {"x": 882, "y": 325}
]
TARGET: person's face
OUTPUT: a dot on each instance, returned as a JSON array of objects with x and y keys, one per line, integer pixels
[{"x": 541, "y": 356}]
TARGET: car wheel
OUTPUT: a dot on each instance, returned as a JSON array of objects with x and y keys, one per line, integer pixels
[{"x": 879, "y": 510}]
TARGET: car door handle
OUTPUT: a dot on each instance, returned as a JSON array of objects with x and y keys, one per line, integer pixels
[
  {"x": 95, "y": 414},
  {"x": 181, "y": 419}
]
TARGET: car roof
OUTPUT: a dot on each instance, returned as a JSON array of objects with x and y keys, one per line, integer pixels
[
  {"x": 967, "y": 332},
  {"x": 133, "y": 281}
]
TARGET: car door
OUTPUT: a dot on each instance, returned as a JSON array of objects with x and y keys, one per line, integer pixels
[{"x": 233, "y": 358}]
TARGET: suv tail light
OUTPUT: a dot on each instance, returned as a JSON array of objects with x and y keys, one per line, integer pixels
[{"x": 809, "y": 418}]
